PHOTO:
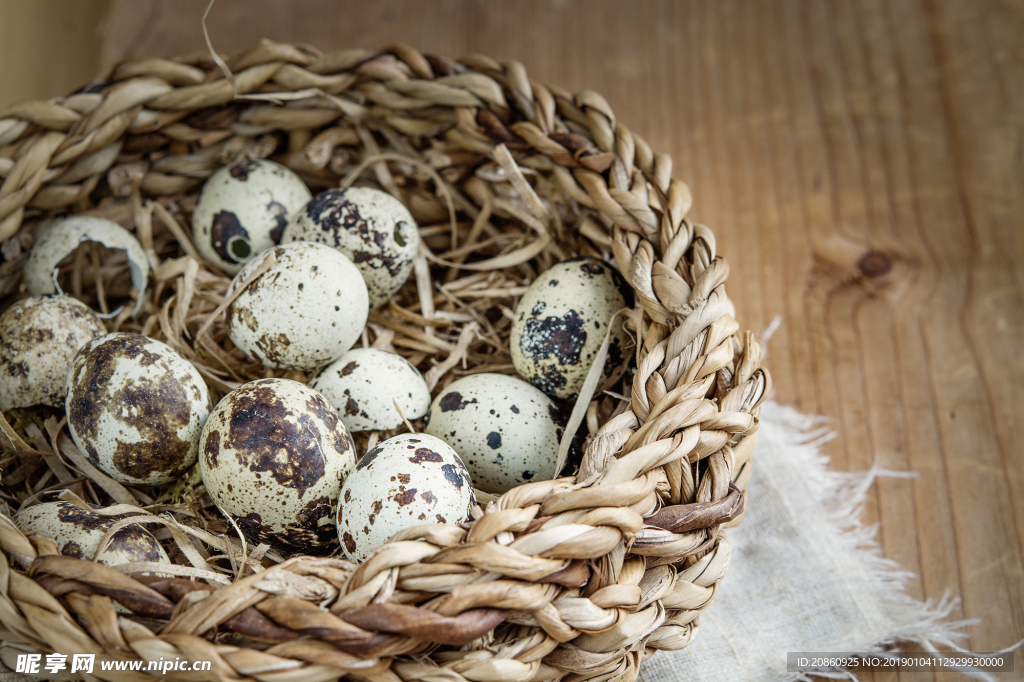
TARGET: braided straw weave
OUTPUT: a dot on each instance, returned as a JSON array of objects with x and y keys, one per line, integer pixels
[{"x": 580, "y": 578}]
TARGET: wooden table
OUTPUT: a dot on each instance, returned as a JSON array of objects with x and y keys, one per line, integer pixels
[{"x": 861, "y": 164}]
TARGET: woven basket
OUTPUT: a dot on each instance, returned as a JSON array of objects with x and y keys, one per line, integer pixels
[{"x": 580, "y": 578}]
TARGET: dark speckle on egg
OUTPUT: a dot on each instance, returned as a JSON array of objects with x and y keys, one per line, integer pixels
[
  {"x": 561, "y": 338},
  {"x": 405, "y": 496},
  {"x": 280, "y": 214},
  {"x": 240, "y": 170},
  {"x": 425, "y": 455},
  {"x": 225, "y": 228},
  {"x": 494, "y": 440},
  {"x": 453, "y": 475},
  {"x": 453, "y": 401}
]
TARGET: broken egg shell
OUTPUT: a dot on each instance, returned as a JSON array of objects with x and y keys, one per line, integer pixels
[
  {"x": 61, "y": 238},
  {"x": 371, "y": 227},
  {"x": 364, "y": 385},
  {"x": 243, "y": 209},
  {"x": 405, "y": 481},
  {"x": 302, "y": 313},
  {"x": 505, "y": 430},
  {"x": 78, "y": 533},
  {"x": 273, "y": 455},
  {"x": 561, "y": 321},
  {"x": 39, "y": 336},
  {"x": 135, "y": 407}
]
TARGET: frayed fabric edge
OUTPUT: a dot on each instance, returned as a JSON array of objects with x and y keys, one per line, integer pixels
[{"x": 843, "y": 495}]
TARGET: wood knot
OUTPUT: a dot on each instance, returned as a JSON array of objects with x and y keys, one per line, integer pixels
[{"x": 874, "y": 264}]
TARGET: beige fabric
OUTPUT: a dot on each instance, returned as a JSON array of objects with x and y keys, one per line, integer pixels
[{"x": 804, "y": 574}]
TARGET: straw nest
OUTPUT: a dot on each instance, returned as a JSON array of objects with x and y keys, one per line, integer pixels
[{"x": 578, "y": 578}]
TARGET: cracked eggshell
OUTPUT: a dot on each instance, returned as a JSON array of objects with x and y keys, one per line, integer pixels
[
  {"x": 39, "y": 336},
  {"x": 62, "y": 237},
  {"x": 273, "y": 455},
  {"x": 135, "y": 407},
  {"x": 78, "y": 532},
  {"x": 405, "y": 481},
  {"x": 302, "y": 313},
  {"x": 365, "y": 383},
  {"x": 561, "y": 321},
  {"x": 243, "y": 209},
  {"x": 505, "y": 430},
  {"x": 371, "y": 227}
]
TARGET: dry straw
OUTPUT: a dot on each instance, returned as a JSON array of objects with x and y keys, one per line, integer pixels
[{"x": 578, "y": 578}]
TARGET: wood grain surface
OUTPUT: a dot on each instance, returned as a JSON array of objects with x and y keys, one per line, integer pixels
[
  {"x": 48, "y": 48},
  {"x": 861, "y": 164}
]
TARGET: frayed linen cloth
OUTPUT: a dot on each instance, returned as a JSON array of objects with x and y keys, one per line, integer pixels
[{"x": 805, "y": 574}]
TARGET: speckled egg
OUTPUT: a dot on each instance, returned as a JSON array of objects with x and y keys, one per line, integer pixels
[
  {"x": 369, "y": 226},
  {"x": 405, "y": 481},
  {"x": 78, "y": 532},
  {"x": 302, "y": 313},
  {"x": 243, "y": 210},
  {"x": 505, "y": 430},
  {"x": 38, "y": 338},
  {"x": 273, "y": 455},
  {"x": 364, "y": 385},
  {"x": 560, "y": 324},
  {"x": 135, "y": 408}
]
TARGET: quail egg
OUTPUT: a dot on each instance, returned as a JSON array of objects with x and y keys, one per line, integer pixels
[
  {"x": 505, "y": 430},
  {"x": 78, "y": 532},
  {"x": 62, "y": 237},
  {"x": 135, "y": 408},
  {"x": 273, "y": 456},
  {"x": 369, "y": 226},
  {"x": 243, "y": 209},
  {"x": 405, "y": 481},
  {"x": 38, "y": 338},
  {"x": 302, "y": 313},
  {"x": 364, "y": 385},
  {"x": 560, "y": 324}
]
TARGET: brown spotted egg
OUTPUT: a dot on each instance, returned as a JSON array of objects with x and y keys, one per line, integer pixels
[
  {"x": 369, "y": 226},
  {"x": 243, "y": 209},
  {"x": 365, "y": 384},
  {"x": 78, "y": 533},
  {"x": 560, "y": 324},
  {"x": 303, "y": 312},
  {"x": 273, "y": 455},
  {"x": 505, "y": 430},
  {"x": 135, "y": 408},
  {"x": 405, "y": 481},
  {"x": 38, "y": 338}
]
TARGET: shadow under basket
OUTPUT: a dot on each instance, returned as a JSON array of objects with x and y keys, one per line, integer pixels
[{"x": 579, "y": 578}]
